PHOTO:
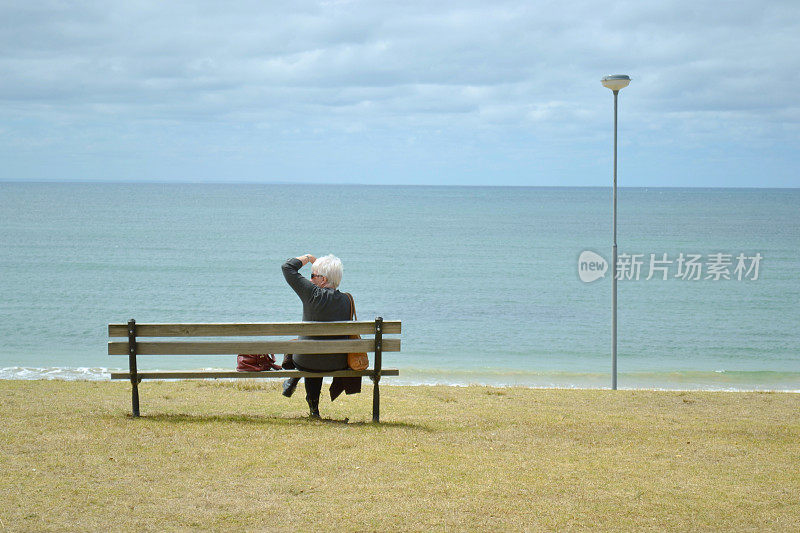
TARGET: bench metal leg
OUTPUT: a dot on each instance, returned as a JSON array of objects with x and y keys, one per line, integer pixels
[
  {"x": 376, "y": 403},
  {"x": 135, "y": 399},
  {"x": 132, "y": 366},
  {"x": 376, "y": 393}
]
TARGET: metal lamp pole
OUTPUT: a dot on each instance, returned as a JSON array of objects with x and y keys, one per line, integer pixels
[{"x": 615, "y": 83}]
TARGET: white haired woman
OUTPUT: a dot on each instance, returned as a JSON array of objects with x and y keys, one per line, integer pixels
[{"x": 322, "y": 302}]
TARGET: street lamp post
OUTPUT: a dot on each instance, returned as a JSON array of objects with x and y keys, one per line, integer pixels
[{"x": 615, "y": 83}]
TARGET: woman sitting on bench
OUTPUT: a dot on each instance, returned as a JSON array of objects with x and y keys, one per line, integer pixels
[{"x": 322, "y": 302}]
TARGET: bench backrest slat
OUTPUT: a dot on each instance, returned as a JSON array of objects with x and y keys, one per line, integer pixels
[
  {"x": 234, "y": 347},
  {"x": 254, "y": 329}
]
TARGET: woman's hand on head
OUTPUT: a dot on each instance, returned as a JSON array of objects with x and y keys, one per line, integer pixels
[{"x": 307, "y": 258}]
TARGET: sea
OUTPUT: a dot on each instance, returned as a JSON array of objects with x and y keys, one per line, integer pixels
[{"x": 501, "y": 286}]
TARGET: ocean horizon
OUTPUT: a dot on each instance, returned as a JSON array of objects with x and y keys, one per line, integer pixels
[{"x": 487, "y": 280}]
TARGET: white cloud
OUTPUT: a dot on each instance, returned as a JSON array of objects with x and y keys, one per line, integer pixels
[{"x": 441, "y": 73}]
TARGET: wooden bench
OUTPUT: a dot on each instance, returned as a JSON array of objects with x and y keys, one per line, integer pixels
[{"x": 188, "y": 344}]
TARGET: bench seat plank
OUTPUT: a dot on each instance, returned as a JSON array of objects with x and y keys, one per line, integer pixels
[
  {"x": 170, "y": 374},
  {"x": 237, "y": 347},
  {"x": 254, "y": 329}
]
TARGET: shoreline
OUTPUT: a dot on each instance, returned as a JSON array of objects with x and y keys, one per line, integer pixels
[{"x": 649, "y": 381}]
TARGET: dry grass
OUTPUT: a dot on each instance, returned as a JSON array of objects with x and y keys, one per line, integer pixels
[{"x": 238, "y": 456}]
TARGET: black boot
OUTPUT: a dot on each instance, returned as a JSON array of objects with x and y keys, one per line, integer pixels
[
  {"x": 289, "y": 386},
  {"x": 313, "y": 408}
]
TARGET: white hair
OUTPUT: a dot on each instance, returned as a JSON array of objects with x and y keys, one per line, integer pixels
[{"x": 329, "y": 266}]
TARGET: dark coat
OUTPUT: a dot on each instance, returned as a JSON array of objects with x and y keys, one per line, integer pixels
[{"x": 321, "y": 304}]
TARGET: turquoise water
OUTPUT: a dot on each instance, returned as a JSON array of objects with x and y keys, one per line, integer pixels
[{"x": 484, "y": 279}]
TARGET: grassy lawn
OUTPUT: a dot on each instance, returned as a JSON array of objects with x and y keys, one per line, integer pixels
[{"x": 238, "y": 456}]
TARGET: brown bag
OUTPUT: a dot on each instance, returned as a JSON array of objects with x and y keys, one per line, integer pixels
[
  {"x": 255, "y": 362},
  {"x": 356, "y": 361}
]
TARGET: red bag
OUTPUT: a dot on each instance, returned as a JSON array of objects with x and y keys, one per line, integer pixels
[{"x": 256, "y": 362}]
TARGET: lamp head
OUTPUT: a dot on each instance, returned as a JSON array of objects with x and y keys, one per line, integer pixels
[{"x": 616, "y": 82}]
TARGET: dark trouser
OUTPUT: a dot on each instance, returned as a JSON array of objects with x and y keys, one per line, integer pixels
[
  {"x": 313, "y": 389},
  {"x": 313, "y": 385}
]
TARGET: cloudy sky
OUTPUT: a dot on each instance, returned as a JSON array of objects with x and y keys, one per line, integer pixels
[{"x": 434, "y": 92}]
